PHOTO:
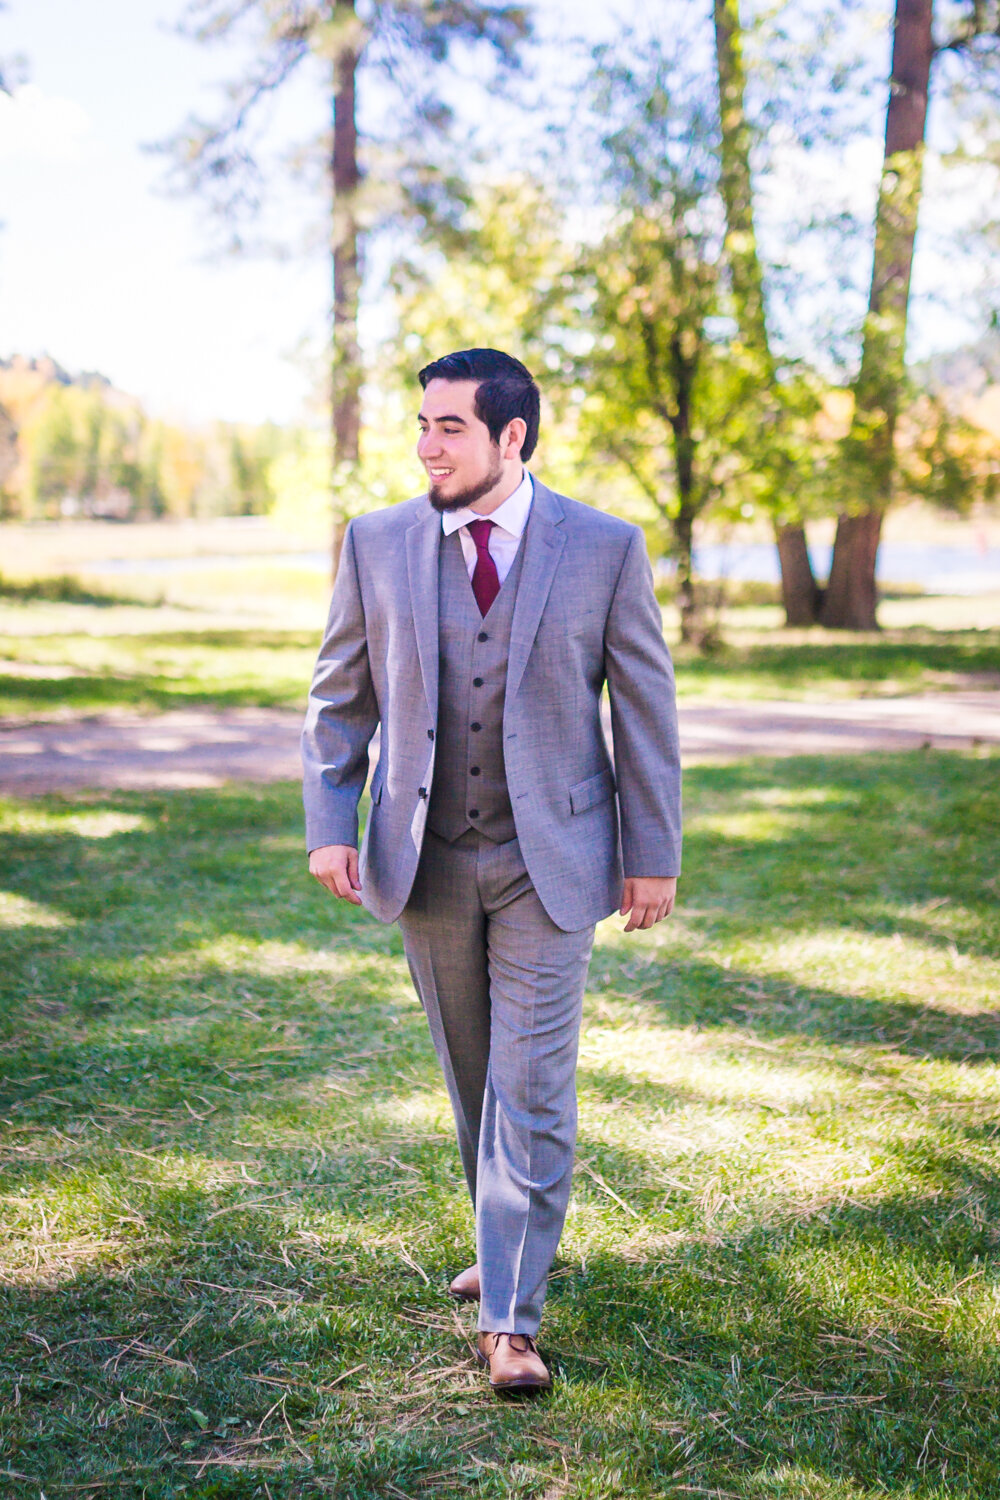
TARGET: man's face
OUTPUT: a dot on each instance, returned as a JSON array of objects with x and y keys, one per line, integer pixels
[{"x": 463, "y": 464}]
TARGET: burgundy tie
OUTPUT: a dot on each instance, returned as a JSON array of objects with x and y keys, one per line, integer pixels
[{"x": 485, "y": 579}]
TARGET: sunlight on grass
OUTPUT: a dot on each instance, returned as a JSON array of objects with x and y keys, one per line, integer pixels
[
  {"x": 805, "y": 796},
  {"x": 232, "y": 1200},
  {"x": 917, "y": 967},
  {"x": 750, "y": 827},
  {"x": 101, "y": 823},
  {"x": 20, "y": 911}
]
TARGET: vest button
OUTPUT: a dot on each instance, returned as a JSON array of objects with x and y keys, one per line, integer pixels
[
  {"x": 422, "y": 792},
  {"x": 475, "y": 728},
  {"x": 473, "y": 812},
  {"x": 482, "y": 636},
  {"x": 477, "y": 682},
  {"x": 430, "y": 734},
  {"x": 473, "y": 770}
]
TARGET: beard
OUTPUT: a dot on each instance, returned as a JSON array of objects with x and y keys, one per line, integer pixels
[{"x": 470, "y": 494}]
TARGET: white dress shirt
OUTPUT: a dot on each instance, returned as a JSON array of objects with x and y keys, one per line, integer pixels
[{"x": 509, "y": 521}]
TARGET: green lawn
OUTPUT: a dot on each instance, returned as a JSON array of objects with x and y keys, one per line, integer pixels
[
  {"x": 231, "y": 1201},
  {"x": 73, "y": 657},
  {"x": 152, "y": 672}
]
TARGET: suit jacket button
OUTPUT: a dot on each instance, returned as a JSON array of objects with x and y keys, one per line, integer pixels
[
  {"x": 473, "y": 812},
  {"x": 473, "y": 770},
  {"x": 482, "y": 636},
  {"x": 477, "y": 682},
  {"x": 475, "y": 728},
  {"x": 430, "y": 734},
  {"x": 422, "y": 792}
]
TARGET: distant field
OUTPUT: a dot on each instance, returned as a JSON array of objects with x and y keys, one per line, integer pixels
[{"x": 244, "y": 631}]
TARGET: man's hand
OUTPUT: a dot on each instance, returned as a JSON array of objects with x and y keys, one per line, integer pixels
[
  {"x": 649, "y": 899},
  {"x": 336, "y": 867}
]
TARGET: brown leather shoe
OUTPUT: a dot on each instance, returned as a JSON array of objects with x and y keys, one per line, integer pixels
[
  {"x": 465, "y": 1287},
  {"x": 514, "y": 1362}
]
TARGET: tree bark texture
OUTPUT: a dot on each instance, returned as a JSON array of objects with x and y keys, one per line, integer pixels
[
  {"x": 736, "y": 183},
  {"x": 687, "y": 599},
  {"x": 682, "y": 374},
  {"x": 852, "y": 571},
  {"x": 345, "y": 366},
  {"x": 851, "y": 597},
  {"x": 800, "y": 593}
]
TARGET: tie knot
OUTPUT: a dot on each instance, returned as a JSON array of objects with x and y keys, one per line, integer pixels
[{"x": 480, "y": 532}]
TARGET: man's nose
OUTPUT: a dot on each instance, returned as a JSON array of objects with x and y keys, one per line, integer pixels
[{"x": 427, "y": 445}]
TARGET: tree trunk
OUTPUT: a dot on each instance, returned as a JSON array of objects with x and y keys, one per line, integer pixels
[
  {"x": 687, "y": 599},
  {"x": 736, "y": 184},
  {"x": 850, "y": 601},
  {"x": 852, "y": 573},
  {"x": 799, "y": 591},
  {"x": 682, "y": 370},
  {"x": 345, "y": 362}
]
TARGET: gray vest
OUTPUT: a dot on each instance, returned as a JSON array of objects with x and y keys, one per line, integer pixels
[{"x": 470, "y": 781}]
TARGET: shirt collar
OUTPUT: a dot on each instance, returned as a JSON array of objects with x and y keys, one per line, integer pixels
[{"x": 512, "y": 515}]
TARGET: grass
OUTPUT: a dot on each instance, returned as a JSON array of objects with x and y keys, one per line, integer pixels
[
  {"x": 64, "y": 588},
  {"x": 59, "y": 658},
  {"x": 231, "y": 1200},
  {"x": 154, "y": 672},
  {"x": 824, "y": 664}
]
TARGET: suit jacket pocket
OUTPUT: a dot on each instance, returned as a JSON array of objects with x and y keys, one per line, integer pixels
[{"x": 590, "y": 793}]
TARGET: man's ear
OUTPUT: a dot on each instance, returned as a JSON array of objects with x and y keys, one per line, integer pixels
[{"x": 512, "y": 438}]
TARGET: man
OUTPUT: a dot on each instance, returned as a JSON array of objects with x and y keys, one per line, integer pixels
[{"x": 476, "y": 625}]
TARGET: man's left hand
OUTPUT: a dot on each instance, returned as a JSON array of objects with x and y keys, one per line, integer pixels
[{"x": 649, "y": 899}]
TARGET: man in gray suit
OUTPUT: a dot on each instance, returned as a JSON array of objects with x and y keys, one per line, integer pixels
[{"x": 476, "y": 626}]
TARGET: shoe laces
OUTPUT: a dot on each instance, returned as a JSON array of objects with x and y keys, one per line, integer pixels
[{"x": 527, "y": 1345}]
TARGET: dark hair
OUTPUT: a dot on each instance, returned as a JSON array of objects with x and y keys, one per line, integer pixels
[{"x": 505, "y": 389}]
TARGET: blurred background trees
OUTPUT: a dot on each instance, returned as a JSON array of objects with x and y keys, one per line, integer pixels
[
  {"x": 666, "y": 228},
  {"x": 84, "y": 449},
  {"x": 400, "y": 167}
]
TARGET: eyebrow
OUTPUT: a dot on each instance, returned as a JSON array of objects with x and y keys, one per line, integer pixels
[{"x": 450, "y": 418}]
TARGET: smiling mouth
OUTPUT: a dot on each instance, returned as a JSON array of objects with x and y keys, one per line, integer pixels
[{"x": 440, "y": 473}]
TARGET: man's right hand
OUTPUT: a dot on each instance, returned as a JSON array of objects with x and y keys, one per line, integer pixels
[{"x": 336, "y": 867}]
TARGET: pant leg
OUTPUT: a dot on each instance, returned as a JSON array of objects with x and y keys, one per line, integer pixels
[
  {"x": 528, "y": 1136},
  {"x": 444, "y": 937}
]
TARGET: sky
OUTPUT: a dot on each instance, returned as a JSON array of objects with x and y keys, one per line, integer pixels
[
  {"x": 98, "y": 266},
  {"x": 102, "y": 270}
]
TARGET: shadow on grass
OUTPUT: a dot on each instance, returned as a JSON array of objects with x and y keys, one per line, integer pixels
[
  {"x": 232, "y": 1200},
  {"x": 321, "y": 1357},
  {"x": 901, "y": 655},
  {"x": 146, "y": 692},
  {"x": 171, "y": 669},
  {"x": 63, "y": 588}
]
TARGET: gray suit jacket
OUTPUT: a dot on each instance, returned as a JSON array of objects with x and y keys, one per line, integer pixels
[{"x": 585, "y": 614}]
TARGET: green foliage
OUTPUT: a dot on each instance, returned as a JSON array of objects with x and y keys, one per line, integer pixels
[{"x": 232, "y": 1201}]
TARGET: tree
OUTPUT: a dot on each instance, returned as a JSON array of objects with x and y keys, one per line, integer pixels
[
  {"x": 660, "y": 402},
  {"x": 779, "y": 457},
  {"x": 870, "y": 461},
  {"x": 407, "y": 43}
]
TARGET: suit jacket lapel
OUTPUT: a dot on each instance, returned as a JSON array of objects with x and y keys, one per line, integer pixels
[
  {"x": 423, "y": 541},
  {"x": 544, "y": 539}
]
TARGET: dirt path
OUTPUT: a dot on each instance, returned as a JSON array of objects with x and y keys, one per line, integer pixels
[{"x": 184, "y": 749}]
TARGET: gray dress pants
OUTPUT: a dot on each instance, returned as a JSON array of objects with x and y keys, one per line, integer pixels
[{"x": 502, "y": 988}]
